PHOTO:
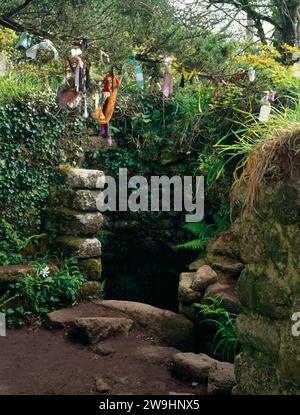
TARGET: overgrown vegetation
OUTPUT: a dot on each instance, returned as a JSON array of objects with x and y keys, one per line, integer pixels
[
  {"x": 212, "y": 314},
  {"x": 30, "y": 297}
]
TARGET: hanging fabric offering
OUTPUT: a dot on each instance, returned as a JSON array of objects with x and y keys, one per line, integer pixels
[
  {"x": 168, "y": 84},
  {"x": 105, "y": 111},
  {"x": 25, "y": 41},
  {"x": 84, "y": 44},
  {"x": 139, "y": 75},
  {"x": 75, "y": 86},
  {"x": 45, "y": 45},
  {"x": 104, "y": 57},
  {"x": 251, "y": 74},
  {"x": 265, "y": 109},
  {"x": 137, "y": 71},
  {"x": 167, "y": 89},
  {"x": 271, "y": 96}
]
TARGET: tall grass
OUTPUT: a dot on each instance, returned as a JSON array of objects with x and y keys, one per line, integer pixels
[
  {"x": 17, "y": 85},
  {"x": 264, "y": 148}
]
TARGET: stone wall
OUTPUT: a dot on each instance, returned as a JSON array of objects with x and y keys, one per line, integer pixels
[
  {"x": 76, "y": 221},
  {"x": 269, "y": 292}
]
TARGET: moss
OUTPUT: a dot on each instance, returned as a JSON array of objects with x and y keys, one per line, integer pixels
[
  {"x": 275, "y": 248},
  {"x": 91, "y": 268},
  {"x": 90, "y": 290},
  {"x": 285, "y": 207}
]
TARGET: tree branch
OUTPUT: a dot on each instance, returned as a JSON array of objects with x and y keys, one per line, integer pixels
[{"x": 16, "y": 10}]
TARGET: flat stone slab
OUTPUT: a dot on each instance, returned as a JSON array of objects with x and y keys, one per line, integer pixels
[
  {"x": 10, "y": 273},
  {"x": 171, "y": 328},
  {"x": 73, "y": 223},
  {"x": 96, "y": 329},
  {"x": 84, "y": 178},
  {"x": 193, "y": 367},
  {"x": 80, "y": 247},
  {"x": 81, "y": 199},
  {"x": 174, "y": 329}
]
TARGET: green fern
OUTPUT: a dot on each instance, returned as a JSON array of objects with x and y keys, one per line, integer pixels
[{"x": 202, "y": 231}]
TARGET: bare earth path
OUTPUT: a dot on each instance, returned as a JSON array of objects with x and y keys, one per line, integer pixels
[{"x": 49, "y": 362}]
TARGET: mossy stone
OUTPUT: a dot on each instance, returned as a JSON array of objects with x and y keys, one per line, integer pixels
[
  {"x": 90, "y": 290},
  {"x": 91, "y": 268},
  {"x": 285, "y": 205}
]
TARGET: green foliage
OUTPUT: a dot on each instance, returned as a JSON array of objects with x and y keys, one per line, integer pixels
[
  {"x": 30, "y": 151},
  {"x": 9, "y": 257},
  {"x": 204, "y": 231},
  {"x": 213, "y": 314},
  {"x": 34, "y": 296}
]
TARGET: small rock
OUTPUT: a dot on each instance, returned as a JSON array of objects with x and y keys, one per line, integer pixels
[
  {"x": 194, "y": 266},
  {"x": 221, "y": 379},
  {"x": 205, "y": 276},
  {"x": 185, "y": 292},
  {"x": 193, "y": 367},
  {"x": 194, "y": 384},
  {"x": 101, "y": 386},
  {"x": 95, "y": 329},
  {"x": 102, "y": 350}
]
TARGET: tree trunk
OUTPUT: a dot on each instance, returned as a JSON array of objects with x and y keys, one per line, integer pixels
[{"x": 287, "y": 14}]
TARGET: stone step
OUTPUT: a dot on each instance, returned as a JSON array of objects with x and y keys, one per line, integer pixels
[
  {"x": 81, "y": 199},
  {"x": 73, "y": 223},
  {"x": 91, "y": 268},
  {"x": 80, "y": 247},
  {"x": 96, "y": 329},
  {"x": 83, "y": 178}
]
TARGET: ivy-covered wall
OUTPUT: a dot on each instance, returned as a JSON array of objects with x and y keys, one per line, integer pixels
[{"x": 30, "y": 151}]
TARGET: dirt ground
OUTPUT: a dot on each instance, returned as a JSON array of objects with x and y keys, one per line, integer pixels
[{"x": 48, "y": 362}]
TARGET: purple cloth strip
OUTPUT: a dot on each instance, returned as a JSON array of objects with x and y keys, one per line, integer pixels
[
  {"x": 104, "y": 131},
  {"x": 168, "y": 84}
]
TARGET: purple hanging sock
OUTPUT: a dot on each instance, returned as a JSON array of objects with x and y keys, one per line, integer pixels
[
  {"x": 168, "y": 85},
  {"x": 104, "y": 131}
]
